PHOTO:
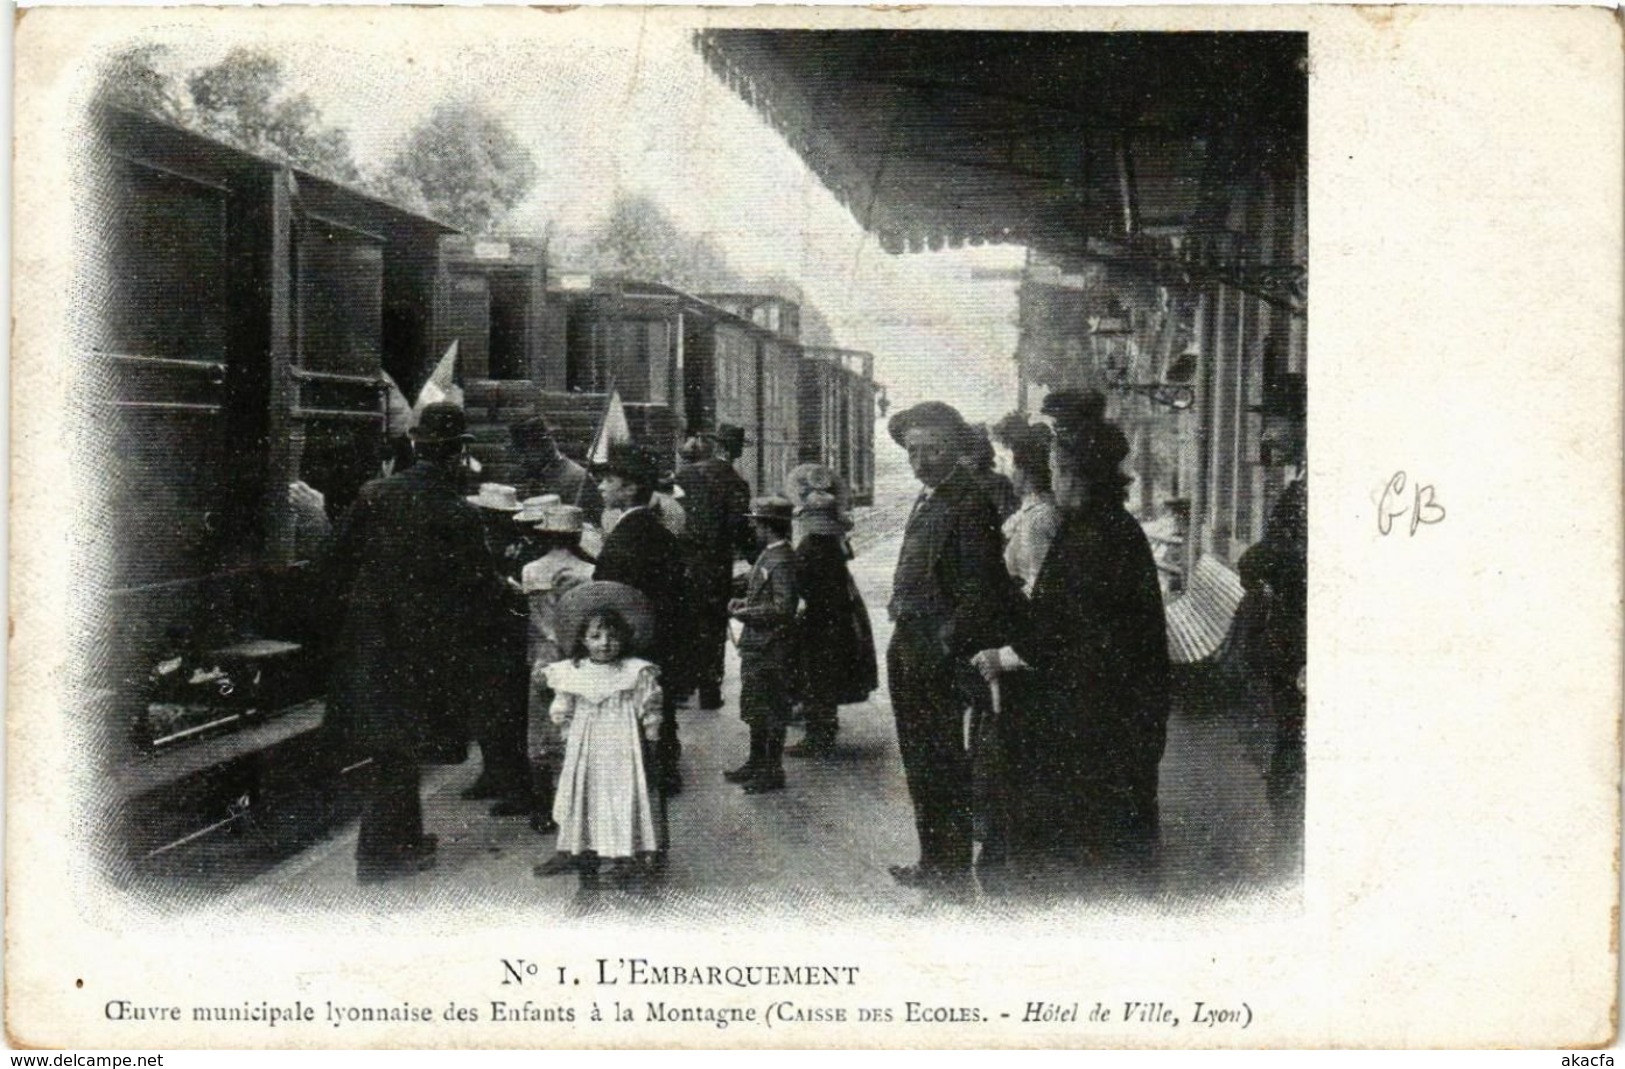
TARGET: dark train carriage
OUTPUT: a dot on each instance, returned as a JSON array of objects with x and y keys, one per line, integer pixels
[
  {"x": 493, "y": 302},
  {"x": 768, "y": 311},
  {"x": 246, "y": 310},
  {"x": 837, "y": 416},
  {"x": 739, "y": 371}
]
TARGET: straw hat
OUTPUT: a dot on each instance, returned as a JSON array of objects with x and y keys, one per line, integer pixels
[
  {"x": 496, "y": 497},
  {"x": 561, "y": 519},
  {"x": 772, "y": 507},
  {"x": 534, "y": 509}
]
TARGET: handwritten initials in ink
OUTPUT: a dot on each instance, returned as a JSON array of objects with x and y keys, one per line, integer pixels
[{"x": 1421, "y": 505}]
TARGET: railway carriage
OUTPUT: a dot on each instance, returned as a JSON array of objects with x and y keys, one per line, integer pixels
[
  {"x": 233, "y": 365},
  {"x": 837, "y": 416},
  {"x": 244, "y": 313}
]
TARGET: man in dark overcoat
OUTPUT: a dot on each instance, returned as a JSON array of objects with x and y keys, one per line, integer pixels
[
  {"x": 716, "y": 500},
  {"x": 950, "y": 596},
  {"x": 640, "y": 552},
  {"x": 413, "y": 575}
]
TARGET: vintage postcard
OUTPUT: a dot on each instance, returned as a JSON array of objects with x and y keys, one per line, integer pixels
[{"x": 789, "y": 527}]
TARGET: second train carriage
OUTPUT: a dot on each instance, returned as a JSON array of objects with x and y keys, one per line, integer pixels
[{"x": 837, "y": 416}]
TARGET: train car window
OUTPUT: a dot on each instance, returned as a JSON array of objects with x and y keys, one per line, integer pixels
[
  {"x": 166, "y": 267},
  {"x": 341, "y": 299},
  {"x": 164, "y": 336}
]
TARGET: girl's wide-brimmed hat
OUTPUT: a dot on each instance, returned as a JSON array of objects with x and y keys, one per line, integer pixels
[
  {"x": 496, "y": 497},
  {"x": 578, "y": 605}
]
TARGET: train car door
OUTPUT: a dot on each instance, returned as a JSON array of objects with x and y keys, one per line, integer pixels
[
  {"x": 164, "y": 349},
  {"x": 339, "y": 321}
]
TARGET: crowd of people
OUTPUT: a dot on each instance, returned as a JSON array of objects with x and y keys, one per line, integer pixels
[
  {"x": 1028, "y": 664},
  {"x": 561, "y": 622}
]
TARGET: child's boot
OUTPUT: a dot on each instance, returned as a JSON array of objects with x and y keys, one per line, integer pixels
[{"x": 771, "y": 776}]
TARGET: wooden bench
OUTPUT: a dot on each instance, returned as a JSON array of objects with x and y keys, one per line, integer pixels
[{"x": 1199, "y": 619}]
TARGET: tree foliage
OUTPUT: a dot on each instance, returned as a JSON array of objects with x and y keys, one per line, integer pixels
[
  {"x": 241, "y": 100},
  {"x": 135, "y": 78},
  {"x": 464, "y": 163},
  {"x": 639, "y": 240}
]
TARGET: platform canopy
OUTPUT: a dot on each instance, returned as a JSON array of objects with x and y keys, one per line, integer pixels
[{"x": 1108, "y": 145}]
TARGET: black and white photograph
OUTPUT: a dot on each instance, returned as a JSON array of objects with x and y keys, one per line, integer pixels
[{"x": 791, "y": 527}]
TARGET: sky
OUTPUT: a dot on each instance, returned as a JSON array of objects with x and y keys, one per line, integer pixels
[{"x": 611, "y": 102}]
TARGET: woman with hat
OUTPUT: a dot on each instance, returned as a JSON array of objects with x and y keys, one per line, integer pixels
[
  {"x": 836, "y": 653},
  {"x": 1085, "y": 755},
  {"x": 767, "y": 648},
  {"x": 560, "y": 565}
]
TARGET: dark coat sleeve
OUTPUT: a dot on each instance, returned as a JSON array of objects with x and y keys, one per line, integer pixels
[{"x": 971, "y": 567}]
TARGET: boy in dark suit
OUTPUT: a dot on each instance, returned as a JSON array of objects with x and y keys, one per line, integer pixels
[{"x": 767, "y": 648}]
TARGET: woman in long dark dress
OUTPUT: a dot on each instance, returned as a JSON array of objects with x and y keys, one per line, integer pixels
[
  {"x": 1094, "y": 721},
  {"x": 837, "y": 653}
]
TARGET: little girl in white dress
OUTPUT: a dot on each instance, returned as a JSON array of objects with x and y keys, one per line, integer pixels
[{"x": 607, "y": 704}]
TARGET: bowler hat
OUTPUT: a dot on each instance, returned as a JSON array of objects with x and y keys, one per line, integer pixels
[
  {"x": 730, "y": 438},
  {"x": 633, "y": 462},
  {"x": 1074, "y": 407},
  {"x": 441, "y": 421},
  {"x": 578, "y": 604},
  {"x": 772, "y": 507},
  {"x": 927, "y": 414}
]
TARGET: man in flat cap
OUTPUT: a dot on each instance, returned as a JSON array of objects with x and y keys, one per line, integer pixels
[
  {"x": 949, "y": 599},
  {"x": 414, "y": 579}
]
